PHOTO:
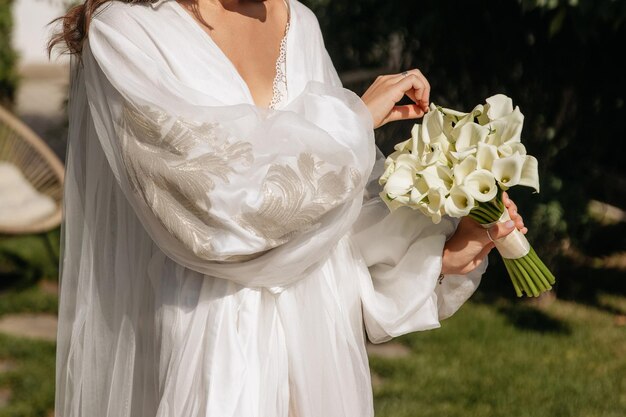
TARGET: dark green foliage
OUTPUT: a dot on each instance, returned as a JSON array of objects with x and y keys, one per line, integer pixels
[
  {"x": 8, "y": 57},
  {"x": 557, "y": 59}
]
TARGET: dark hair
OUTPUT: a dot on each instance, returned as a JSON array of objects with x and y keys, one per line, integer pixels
[{"x": 75, "y": 26}]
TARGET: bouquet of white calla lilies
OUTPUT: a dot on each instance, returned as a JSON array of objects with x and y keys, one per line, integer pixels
[{"x": 458, "y": 164}]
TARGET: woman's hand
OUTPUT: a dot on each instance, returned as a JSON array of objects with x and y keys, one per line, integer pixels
[
  {"x": 470, "y": 244},
  {"x": 387, "y": 90}
]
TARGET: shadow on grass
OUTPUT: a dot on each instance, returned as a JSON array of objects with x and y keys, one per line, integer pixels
[
  {"x": 527, "y": 317},
  {"x": 519, "y": 311},
  {"x": 585, "y": 285},
  {"x": 582, "y": 277}
]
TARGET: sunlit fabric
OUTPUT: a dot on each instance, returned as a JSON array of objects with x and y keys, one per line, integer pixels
[{"x": 220, "y": 259}]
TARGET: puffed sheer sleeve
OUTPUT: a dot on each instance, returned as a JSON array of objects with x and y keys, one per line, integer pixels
[
  {"x": 403, "y": 253},
  {"x": 234, "y": 191}
]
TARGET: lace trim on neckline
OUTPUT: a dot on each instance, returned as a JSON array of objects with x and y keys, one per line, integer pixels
[{"x": 279, "y": 86}]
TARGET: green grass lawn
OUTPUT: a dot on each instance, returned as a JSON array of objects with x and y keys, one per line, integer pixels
[
  {"x": 30, "y": 379},
  {"x": 28, "y": 364},
  {"x": 502, "y": 359},
  {"x": 493, "y": 358},
  {"x": 510, "y": 359}
]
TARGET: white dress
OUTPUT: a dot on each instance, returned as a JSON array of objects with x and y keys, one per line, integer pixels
[{"x": 222, "y": 260}]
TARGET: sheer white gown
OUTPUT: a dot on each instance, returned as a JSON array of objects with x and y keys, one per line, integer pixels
[{"x": 223, "y": 260}]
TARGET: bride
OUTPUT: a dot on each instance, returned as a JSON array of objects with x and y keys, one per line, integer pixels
[{"x": 224, "y": 249}]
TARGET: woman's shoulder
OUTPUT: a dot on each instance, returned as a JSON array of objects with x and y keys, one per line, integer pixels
[
  {"x": 307, "y": 18},
  {"x": 138, "y": 23},
  {"x": 127, "y": 16}
]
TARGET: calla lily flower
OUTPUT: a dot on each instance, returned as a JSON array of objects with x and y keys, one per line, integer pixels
[
  {"x": 463, "y": 169},
  {"x": 404, "y": 146},
  {"x": 508, "y": 170},
  {"x": 499, "y": 106},
  {"x": 390, "y": 167},
  {"x": 530, "y": 173},
  {"x": 430, "y": 158},
  {"x": 453, "y": 113},
  {"x": 438, "y": 176},
  {"x": 415, "y": 139},
  {"x": 508, "y": 149},
  {"x": 467, "y": 118},
  {"x": 420, "y": 144},
  {"x": 419, "y": 191},
  {"x": 394, "y": 155},
  {"x": 400, "y": 182},
  {"x": 459, "y": 156},
  {"x": 406, "y": 160},
  {"x": 427, "y": 153},
  {"x": 445, "y": 157},
  {"x": 420, "y": 186},
  {"x": 453, "y": 120},
  {"x": 394, "y": 203},
  {"x": 432, "y": 127},
  {"x": 459, "y": 203},
  {"x": 506, "y": 129},
  {"x": 505, "y": 150},
  {"x": 442, "y": 143},
  {"x": 470, "y": 135},
  {"x": 436, "y": 201},
  {"x": 481, "y": 185},
  {"x": 485, "y": 155}
]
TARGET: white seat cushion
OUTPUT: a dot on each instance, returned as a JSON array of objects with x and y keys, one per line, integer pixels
[{"x": 20, "y": 203}]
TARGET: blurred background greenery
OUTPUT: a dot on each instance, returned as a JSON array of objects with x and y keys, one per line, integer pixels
[
  {"x": 8, "y": 56},
  {"x": 558, "y": 60},
  {"x": 562, "y": 355}
]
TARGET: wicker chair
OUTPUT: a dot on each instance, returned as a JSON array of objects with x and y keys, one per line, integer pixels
[{"x": 20, "y": 146}]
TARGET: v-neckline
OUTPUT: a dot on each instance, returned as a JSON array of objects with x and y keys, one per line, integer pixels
[{"x": 290, "y": 24}]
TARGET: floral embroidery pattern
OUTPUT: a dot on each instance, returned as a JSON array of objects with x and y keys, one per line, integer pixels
[
  {"x": 295, "y": 200},
  {"x": 173, "y": 181}
]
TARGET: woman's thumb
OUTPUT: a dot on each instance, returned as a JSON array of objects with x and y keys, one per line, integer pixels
[{"x": 499, "y": 230}]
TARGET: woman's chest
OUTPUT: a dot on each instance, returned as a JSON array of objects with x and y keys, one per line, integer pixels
[
  {"x": 180, "y": 47},
  {"x": 254, "y": 43}
]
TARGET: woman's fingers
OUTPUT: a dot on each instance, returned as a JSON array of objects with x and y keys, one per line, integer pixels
[
  {"x": 512, "y": 208},
  {"x": 484, "y": 252},
  {"x": 425, "y": 99},
  {"x": 412, "y": 85},
  {"x": 420, "y": 96},
  {"x": 409, "y": 111},
  {"x": 382, "y": 96},
  {"x": 513, "y": 214},
  {"x": 506, "y": 199}
]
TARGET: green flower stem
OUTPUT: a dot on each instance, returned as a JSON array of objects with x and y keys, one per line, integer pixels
[
  {"x": 491, "y": 210},
  {"x": 538, "y": 279},
  {"x": 479, "y": 217},
  {"x": 539, "y": 263},
  {"x": 496, "y": 212},
  {"x": 534, "y": 263},
  {"x": 542, "y": 267},
  {"x": 487, "y": 214},
  {"x": 528, "y": 264},
  {"x": 528, "y": 274},
  {"x": 517, "y": 274},
  {"x": 483, "y": 210},
  {"x": 534, "y": 291},
  {"x": 514, "y": 279}
]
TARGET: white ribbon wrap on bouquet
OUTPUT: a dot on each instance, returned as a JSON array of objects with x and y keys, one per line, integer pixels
[{"x": 512, "y": 246}]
